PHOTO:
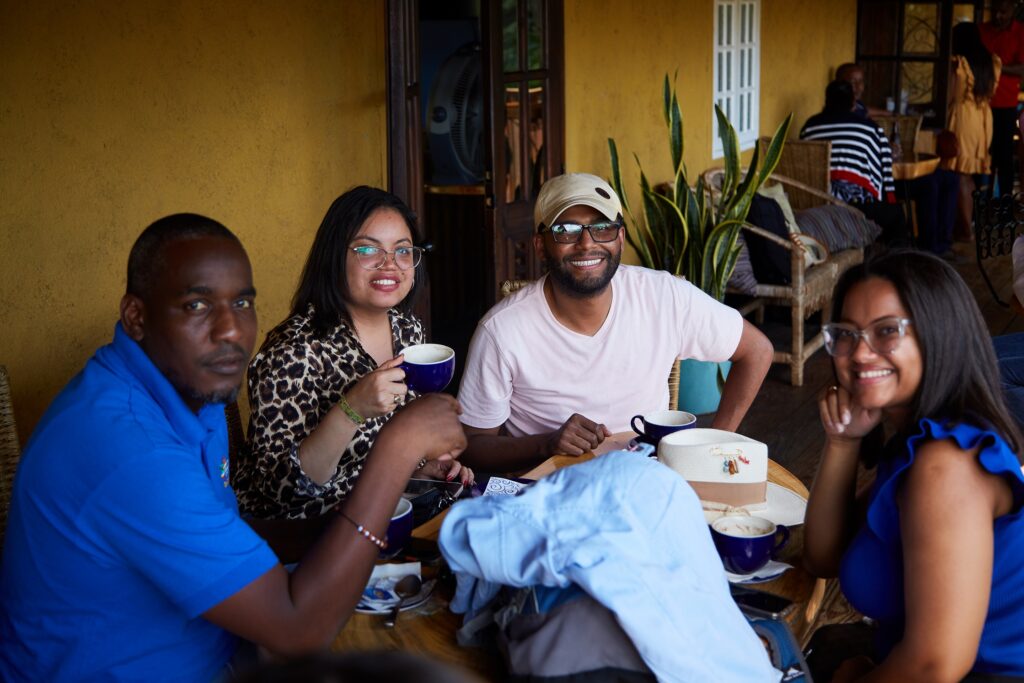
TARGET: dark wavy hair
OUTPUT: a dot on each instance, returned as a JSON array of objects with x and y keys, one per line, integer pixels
[
  {"x": 324, "y": 281},
  {"x": 967, "y": 43},
  {"x": 960, "y": 376}
]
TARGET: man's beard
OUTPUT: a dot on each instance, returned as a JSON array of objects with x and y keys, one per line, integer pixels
[
  {"x": 226, "y": 396},
  {"x": 582, "y": 288}
]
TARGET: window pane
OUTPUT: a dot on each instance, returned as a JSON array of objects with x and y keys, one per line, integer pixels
[
  {"x": 879, "y": 82},
  {"x": 513, "y": 149},
  {"x": 878, "y": 27},
  {"x": 728, "y": 23},
  {"x": 535, "y": 138},
  {"x": 510, "y": 34},
  {"x": 918, "y": 79},
  {"x": 921, "y": 29},
  {"x": 535, "y": 34},
  {"x": 962, "y": 12}
]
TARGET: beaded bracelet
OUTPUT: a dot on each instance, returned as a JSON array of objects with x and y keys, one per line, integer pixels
[
  {"x": 360, "y": 529},
  {"x": 352, "y": 414}
]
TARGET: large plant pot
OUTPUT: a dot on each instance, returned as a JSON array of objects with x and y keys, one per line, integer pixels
[{"x": 699, "y": 392}]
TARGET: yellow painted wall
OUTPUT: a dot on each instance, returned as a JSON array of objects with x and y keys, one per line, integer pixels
[
  {"x": 799, "y": 60},
  {"x": 116, "y": 112},
  {"x": 617, "y": 53}
]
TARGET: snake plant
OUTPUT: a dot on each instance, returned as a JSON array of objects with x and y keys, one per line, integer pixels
[{"x": 682, "y": 229}]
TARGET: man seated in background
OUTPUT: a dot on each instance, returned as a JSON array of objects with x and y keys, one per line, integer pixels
[
  {"x": 934, "y": 195},
  {"x": 854, "y": 75},
  {"x": 861, "y": 162},
  {"x": 125, "y": 555},
  {"x": 563, "y": 363}
]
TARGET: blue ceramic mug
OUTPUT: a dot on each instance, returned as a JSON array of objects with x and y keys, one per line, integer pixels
[
  {"x": 661, "y": 423},
  {"x": 428, "y": 367},
  {"x": 399, "y": 529},
  {"x": 745, "y": 544}
]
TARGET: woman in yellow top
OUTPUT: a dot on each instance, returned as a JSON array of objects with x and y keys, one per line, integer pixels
[{"x": 975, "y": 72}]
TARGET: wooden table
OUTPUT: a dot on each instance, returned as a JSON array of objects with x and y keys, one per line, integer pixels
[
  {"x": 430, "y": 629},
  {"x": 914, "y": 165}
]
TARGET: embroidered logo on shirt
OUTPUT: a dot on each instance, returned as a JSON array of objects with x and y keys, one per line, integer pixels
[{"x": 224, "y": 469}]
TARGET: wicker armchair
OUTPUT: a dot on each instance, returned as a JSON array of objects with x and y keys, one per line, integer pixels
[
  {"x": 509, "y": 286},
  {"x": 810, "y": 289},
  {"x": 10, "y": 451},
  {"x": 909, "y": 125},
  {"x": 807, "y": 163}
]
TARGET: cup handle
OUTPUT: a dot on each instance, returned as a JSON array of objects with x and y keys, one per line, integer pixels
[
  {"x": 632, "y": 423},
  {"x": 784, "y": 530}
]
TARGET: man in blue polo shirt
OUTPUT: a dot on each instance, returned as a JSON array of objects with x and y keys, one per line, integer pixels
[{"x": 125, "y": 557}]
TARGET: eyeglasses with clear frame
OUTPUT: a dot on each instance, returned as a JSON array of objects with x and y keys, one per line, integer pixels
[
  {"x": 570, "y": 233},
  {"x": 374, "y": 258},
  {"x": 882, "y": 336}
]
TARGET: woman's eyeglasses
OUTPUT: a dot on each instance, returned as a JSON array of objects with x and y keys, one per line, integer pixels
[
  {"x": 570, "y": 233},
  {"x": 882, "y": 337},
  {"x": 374, "y": 258}
]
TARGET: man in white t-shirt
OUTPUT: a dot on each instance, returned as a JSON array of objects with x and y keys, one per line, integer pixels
[{"x": 563, "y": 363}]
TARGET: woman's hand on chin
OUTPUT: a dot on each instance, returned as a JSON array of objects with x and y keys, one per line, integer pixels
[{"x": 843, "y": 418}]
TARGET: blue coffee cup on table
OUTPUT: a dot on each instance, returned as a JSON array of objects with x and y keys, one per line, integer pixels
[
  {"x": 399, "y": 529},
  {"x": 747, "y": 543},
  {"x": 661, "y": 423},
  {"x": 428, "y": 367}
]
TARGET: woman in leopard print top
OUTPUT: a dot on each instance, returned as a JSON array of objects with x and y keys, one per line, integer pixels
[{"x": 338, "y": 349}]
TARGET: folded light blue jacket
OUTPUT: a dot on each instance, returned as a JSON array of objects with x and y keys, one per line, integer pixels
[{"x": 631, "y": 533}]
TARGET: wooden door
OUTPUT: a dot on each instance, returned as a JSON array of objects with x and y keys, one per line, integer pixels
[
  {"x": 405, "y": 159},
  {"x": 523, "y": 86}
]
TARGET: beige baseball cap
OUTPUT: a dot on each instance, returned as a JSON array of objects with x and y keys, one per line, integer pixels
[{"x": 563, "y": 191}]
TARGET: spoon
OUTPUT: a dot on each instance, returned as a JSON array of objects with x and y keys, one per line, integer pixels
[{"x": 408, "y": 587}]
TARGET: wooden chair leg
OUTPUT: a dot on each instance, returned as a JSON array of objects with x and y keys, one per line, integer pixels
[{"x": 796, "y": 363}]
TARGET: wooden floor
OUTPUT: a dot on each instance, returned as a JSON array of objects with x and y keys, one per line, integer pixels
[{"x": 786, "y": 417}]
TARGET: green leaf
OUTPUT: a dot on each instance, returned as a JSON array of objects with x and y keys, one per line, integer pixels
[
  {"x": 774, "y": 153},
  {"x": 676, "y": 232},
  {"x": 731, "y": 152},
  {"x": 617, "y": 178},
  {"x": 655, "y": 219},
  {"x": 668, "y": 100},
  {"x": 675, "y": 134}
]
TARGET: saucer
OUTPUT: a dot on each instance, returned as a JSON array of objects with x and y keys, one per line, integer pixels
[
  {"x": 784, "y": 507},
  {"x": 773, "y": 570},
  {"x": 411, "y": 603}
]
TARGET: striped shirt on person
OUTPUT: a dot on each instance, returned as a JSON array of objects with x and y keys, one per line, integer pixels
[{"x": 861, "y": 162}]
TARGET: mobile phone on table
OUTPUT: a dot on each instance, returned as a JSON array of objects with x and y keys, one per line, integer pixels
[{"x": 761, "y": 604}]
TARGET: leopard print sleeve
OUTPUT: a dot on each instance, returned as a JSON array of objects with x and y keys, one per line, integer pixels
[
  {"x": 294, "y": 380},
  {"x": 286, "y": 399}
]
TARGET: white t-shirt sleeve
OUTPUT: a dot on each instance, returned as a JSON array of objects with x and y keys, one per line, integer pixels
[
  {"x": 709, "y": 329},
  {"x": 486, "y": 389}
]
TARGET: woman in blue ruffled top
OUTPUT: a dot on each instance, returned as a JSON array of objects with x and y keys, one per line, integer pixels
[{"x": 933, "y": 550}]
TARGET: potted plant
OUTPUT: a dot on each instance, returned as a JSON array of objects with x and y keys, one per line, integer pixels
[{"x": 685, "y": 231}]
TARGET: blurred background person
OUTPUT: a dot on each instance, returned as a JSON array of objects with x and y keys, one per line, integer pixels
[
  {"x": 974, "y": 73},
  {"x": 1004, "y": 37}
]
